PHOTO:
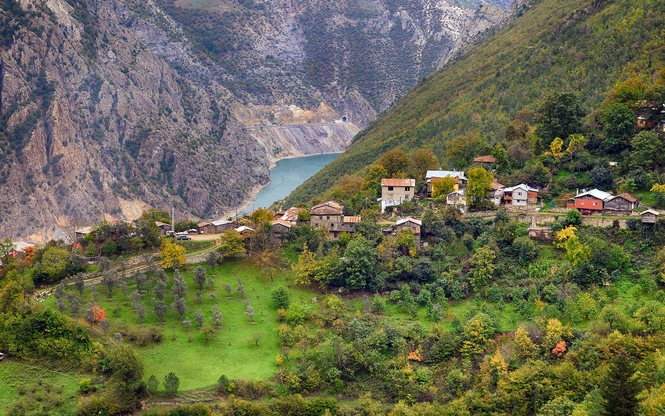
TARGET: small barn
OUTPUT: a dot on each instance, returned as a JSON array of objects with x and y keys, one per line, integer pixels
[
  {"x": 623, "y": 203},
  {"x": 205, "y": 228},
  {"x": 223, "y": 225},
  {"x": 649, "y": 216}
]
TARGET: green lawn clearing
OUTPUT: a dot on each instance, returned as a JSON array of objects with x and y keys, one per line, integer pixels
[
  {"x": 37, "y": 390},
  {"x": 233, "y": 351}
]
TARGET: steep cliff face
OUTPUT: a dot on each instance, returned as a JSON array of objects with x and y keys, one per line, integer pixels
[
  {"x": 88, "y": 131},
  {"x": 356, "y": 56},
  {"x": 110, "y": 106}
]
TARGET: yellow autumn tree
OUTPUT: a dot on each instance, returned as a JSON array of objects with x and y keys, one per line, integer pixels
[
  {"x": 577, "y": 141},
  {"x": 576, "y": 252},
  {"x": 523, "y": 344},
  {"x": 170, "y": 253},
  {"x": 442, "y": 186},
  {"x": 556, "y": 147},
  {"x": 306, "y": 268}
]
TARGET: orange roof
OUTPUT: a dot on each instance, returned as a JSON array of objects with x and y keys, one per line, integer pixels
[
  {"x": 496, "y": 186},
  {"x": 353, "y": 219},
  {"x": 485, "y": 159},
  {"x": 398, "y": 182},
  {"x": 203, "y": 224}
]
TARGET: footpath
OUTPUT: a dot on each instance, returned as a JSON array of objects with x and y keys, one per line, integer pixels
[{"x": 140, "y": 264}]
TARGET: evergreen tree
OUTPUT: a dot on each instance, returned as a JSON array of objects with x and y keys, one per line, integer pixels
[{"x": 619, "y": 389}]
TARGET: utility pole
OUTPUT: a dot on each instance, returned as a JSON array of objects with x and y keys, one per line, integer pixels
[{"x": 173, "y": 220}]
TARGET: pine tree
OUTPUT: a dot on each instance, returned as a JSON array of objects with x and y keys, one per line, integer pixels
[{"x": 619, "y": 389}]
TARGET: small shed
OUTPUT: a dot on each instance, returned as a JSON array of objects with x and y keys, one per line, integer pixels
[
  {"x": 649, "y": 216},
  {"x": 163, "y": 227},
  {"x": 245, "y": 231}
]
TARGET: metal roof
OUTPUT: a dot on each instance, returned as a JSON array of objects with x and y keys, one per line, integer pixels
[{"x": 596, "y": 193}]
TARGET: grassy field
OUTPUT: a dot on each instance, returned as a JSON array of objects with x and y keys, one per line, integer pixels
[
  {"x": 39, "y": 390},
  {"x": 232, "y": 351}
]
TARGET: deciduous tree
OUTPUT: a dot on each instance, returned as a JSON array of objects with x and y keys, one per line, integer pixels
[
  {"x": 482, "y": 267},
  {"x": 442, "y": 186},
  {"x": 232, "y": 244},
  {"x": 480, "y": 182},
  {"x": 394, "y": 161},
  {"x": 171, "y": 254}
]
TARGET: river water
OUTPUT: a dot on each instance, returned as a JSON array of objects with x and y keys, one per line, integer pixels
[{"x": 286, "y": 176}]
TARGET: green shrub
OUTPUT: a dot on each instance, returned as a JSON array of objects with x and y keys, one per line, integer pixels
[
  {"x": 171, "y": 383},
  {"x": 84, "y": 386},
  {"x": 296, "y": 314},
  {"x": 280, "y": 297},
  {"x": 222, "y": 383},
  {"x": 109, "y": 249}
]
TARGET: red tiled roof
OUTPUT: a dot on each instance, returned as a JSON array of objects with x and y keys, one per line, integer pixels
[
  {"x": 485, "y": 159},
  {"x": 398, "y": 182},
  {"x": 353, "y": 219},
  {"x": 496, "y": 186}
]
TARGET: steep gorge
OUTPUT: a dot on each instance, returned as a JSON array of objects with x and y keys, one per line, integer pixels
[{"x": 109, "y": 106}]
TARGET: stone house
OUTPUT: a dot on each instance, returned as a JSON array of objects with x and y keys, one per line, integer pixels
[
  {"x": 456, "y": 198},
  {"x": 396, "y": 191},
  {"x": 330, "y": 215}
]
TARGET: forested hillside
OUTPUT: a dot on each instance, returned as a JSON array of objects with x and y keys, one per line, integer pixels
[{"x": 574, "y": 46}]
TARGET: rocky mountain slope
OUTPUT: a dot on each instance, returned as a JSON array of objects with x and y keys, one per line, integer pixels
[{"x": 108, "y": 106}]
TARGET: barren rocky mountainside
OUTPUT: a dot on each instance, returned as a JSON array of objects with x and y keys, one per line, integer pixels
[{"x": 110, "y": 106}]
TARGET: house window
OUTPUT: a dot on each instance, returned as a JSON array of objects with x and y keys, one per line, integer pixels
[
  {"x": 581, "y": 202},
  {"x": 390, "y": 188},
  {"x": 407, "y": 189},
  {"x": 332, "y": 225},
  {"x": 595, "y": 203},
  {"x": 328, "y": 217}
]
